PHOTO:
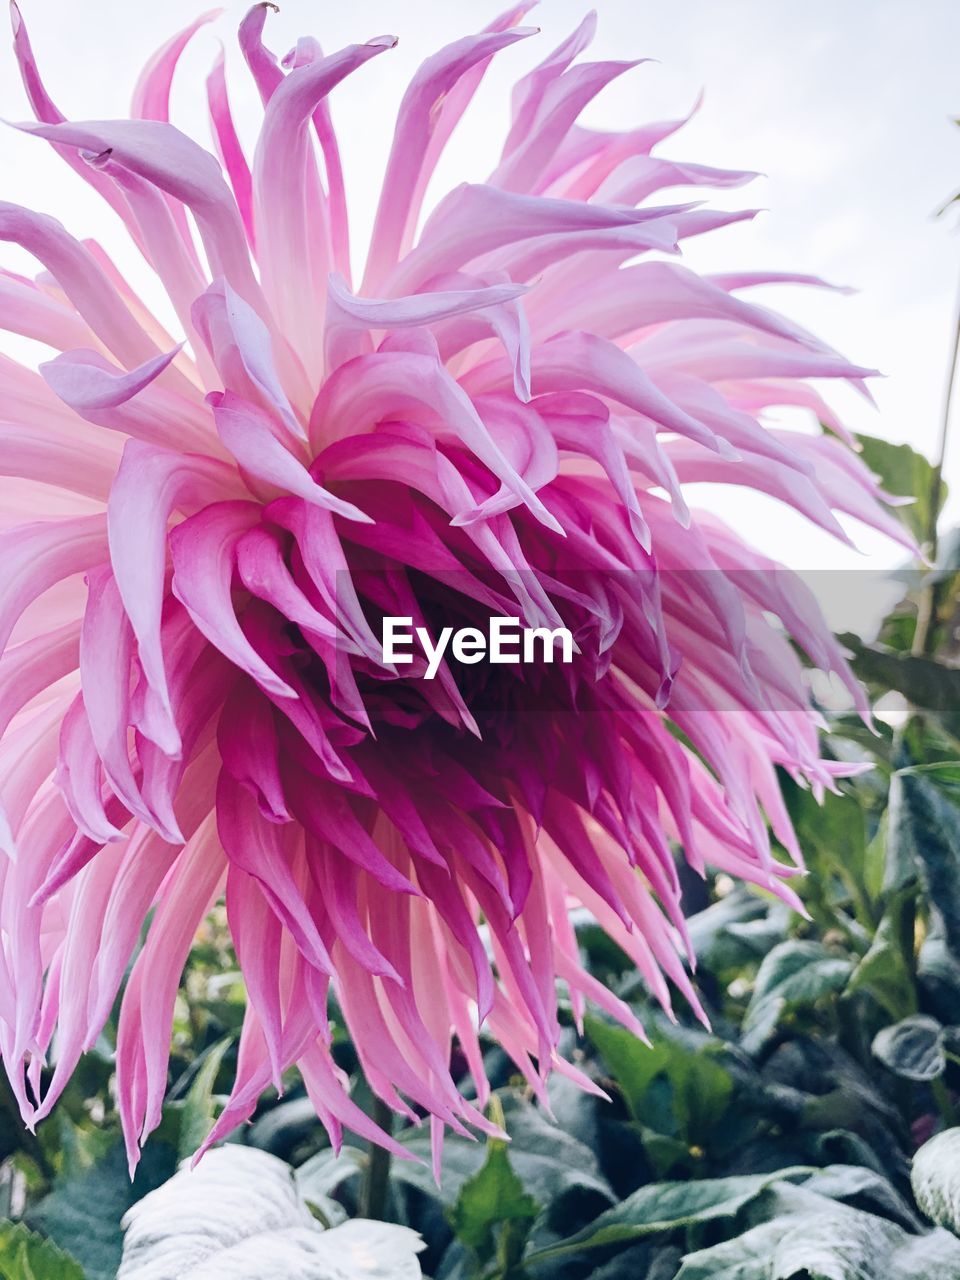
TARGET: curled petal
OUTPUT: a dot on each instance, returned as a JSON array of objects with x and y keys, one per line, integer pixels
[
  {"x": 151, "y": 483},
  {"x": 165, "y": 157},
  {"x": 421, "y": 116},
  {"x": 203, "y": 550},
  {"x": 36, "y": 556},
  {"x": 249, "y": 435},
  {"x": 292, "y": 249}
]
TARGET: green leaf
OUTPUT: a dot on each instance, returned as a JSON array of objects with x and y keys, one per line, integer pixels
[
  {"x": 700, "y": 1086},
  {"x": 666, "y": 1155},
  {"x": 26, "y": 1256},
  {"x": 804, "y": 1234},
  {"x": 833, "y": 828},
  {"x": 239, "y": 1215},
  {"x": 885, "y": 971},
  {"x": 793, "y": 975},
  {"x": 493, "y": 1210},
  {"x": 935, "y": 1254},
  {"x": 747, "y": 1257},
  {"x": 935, "y": 1179},
  {"x": 734, "y": 930},
  {"x": 866, "y": 1189},
  {"x": 926, "y": 683},
  {"x": 833, "y": 835},
  {"x": 290, "y": 1123},
  {"x": 756, "y": 937},
  {"x": 905, "y": 473},
  {"x": 554, "y": 1167},
  {"x": 925, "y": 826},
  {"x": 946, "y": 772},
  {"x": 837, "y": 1244},
  {"x": 320, "y": 1177},
  {"x": 82, "y": 1213},
  {"x": 938, "y": 970},
  {"x": 701, "y": 1090},
  {"x": 913, "y": 1048},
  {"x": 663, "y": 1207},
  {"x": 635, "y": 1261},
  {"x": 633, "y": 1064},
  {"x": 199, "y": 1108}
]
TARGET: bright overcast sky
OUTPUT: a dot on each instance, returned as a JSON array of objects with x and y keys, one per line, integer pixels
[{"x": 845, "y": 107}]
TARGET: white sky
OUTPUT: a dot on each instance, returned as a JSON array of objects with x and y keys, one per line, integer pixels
[{"x": 846, "y": 107}]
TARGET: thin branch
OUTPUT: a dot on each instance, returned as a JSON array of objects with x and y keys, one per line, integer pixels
[
  {"x": 376, "y": 1182},
  {"x": 926, "y": 616}
]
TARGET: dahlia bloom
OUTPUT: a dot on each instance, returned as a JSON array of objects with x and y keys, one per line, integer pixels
[{"x": 201, "y": 533}]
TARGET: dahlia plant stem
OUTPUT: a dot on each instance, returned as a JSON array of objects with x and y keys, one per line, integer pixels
[
  {"x": 945, "y": 1104},
  {"x": 376, "y": 1181},
  {"x": 929, "y": 599},
  {"x": 924, "y": 638}
]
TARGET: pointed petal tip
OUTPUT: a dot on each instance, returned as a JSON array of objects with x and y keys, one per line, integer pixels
[
  {"x": 16, "y": 18},
  {"x": 548, "y": 519},
  {"x": 641, "y": 531},
  {"x": 464, "y": 518},
  {"x": 726, "y": 450},
  {"x": 220, "y": 59}
]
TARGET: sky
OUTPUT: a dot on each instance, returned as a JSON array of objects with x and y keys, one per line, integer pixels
[{"x": 847, "y": 109}]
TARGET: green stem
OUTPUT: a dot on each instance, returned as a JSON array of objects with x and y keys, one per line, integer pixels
[
  {"x": 908, "y": 939},
  {"x": 941, "y": 1096},
  {"x": 376, "y": 1183},
  {"x": 862, "y": 907},
  {"x": 927, "y": 612}
]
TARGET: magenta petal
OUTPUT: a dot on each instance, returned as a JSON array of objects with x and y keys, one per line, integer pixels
[
  {"x": 240, "y": 345},
  {"x": 412, "y": 155},
  {"x": 83, "y": 383},
  {"x": 287, "y": 206},
  {"x": 228, "y": 144},
  {"x": 203, "y": 549},
  {"x": 81, "y": 279},
  {"x": 249, "y": 435},
  {"x": 138, "y": 543},
  {"x": 170, "y": 161},
  {"x": 151, "y": 97}
]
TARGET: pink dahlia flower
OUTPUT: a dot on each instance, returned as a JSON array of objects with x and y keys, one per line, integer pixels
[{"x": 203, "y": 531}]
